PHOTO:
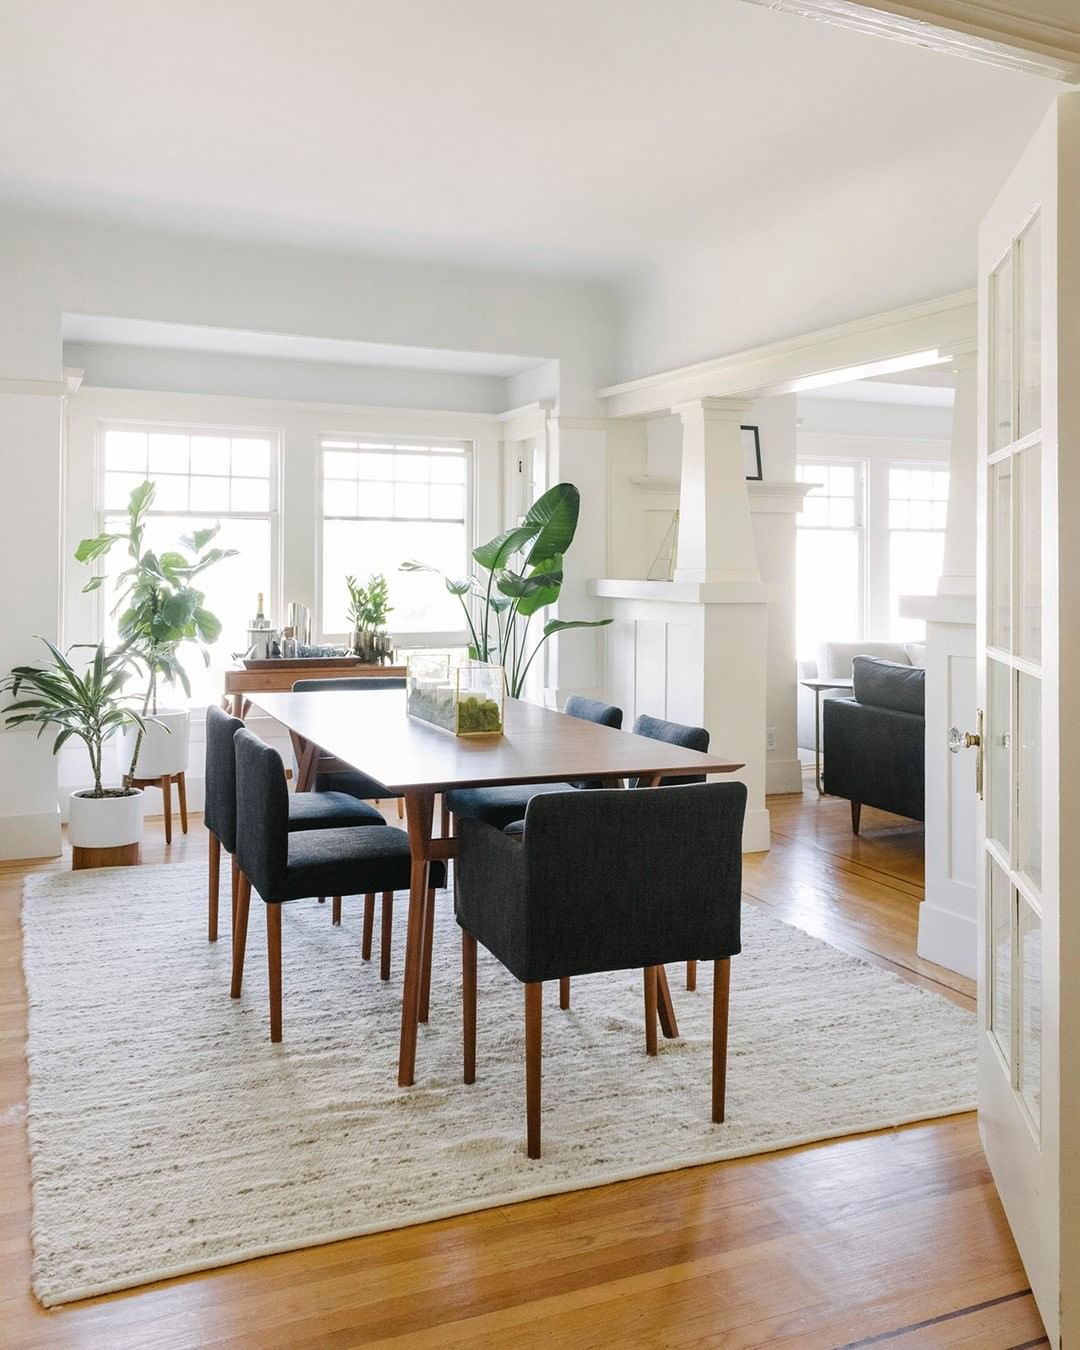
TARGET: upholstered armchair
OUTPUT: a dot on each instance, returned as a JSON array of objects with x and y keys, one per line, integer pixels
[{"x": 602, "y": 881}]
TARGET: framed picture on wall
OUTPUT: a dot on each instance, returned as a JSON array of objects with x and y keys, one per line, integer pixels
[{"x": 751, "y": 444}]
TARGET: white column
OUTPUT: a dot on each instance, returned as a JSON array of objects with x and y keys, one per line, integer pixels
[
  {"x": 947, "y": 916},
  {"x": 716, "y": 537},
  {"x": 31, "y": 422}
]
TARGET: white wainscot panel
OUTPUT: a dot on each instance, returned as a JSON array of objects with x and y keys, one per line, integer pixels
[
  {"x": 650, "y": 667},
  {"x": 960, "y": 691},
  {"x": 684, "y": 660}
]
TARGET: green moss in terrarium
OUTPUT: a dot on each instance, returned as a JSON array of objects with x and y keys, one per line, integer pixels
[{"x": 476, "y": 714}]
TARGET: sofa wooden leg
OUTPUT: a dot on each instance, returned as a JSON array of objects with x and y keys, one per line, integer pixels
[
  {"x": 273, "y": 966},
  {"x": 336, "y": 915},
  {"x": 721, "y": 991},
  {"x": 650, "y": 1010},
  {"x": 369, "y": 926},
  {"x": 534, "y": 1012},
  {"x": 468, "y": 1002},
  {"x": 691, "y": 976},
  {"x": 386, "y": 941},
  {"x": 215, "y": 885},
  {"x": 856, "y": 815},
  {"x": 243, "y": 904},
  {"x": 564, "y": 992}
]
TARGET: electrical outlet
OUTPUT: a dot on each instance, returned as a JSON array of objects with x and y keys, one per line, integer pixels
[{"x": 770, "y": 738}]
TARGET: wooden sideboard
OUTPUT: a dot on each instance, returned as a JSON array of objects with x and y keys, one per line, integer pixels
[{"x": 279, "y": 678}]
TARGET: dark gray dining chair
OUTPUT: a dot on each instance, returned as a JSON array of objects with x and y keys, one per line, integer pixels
[
  {"x": 500, "y": 806},
  {"x": 339, "y": 777},
  {"x": 328, "y": 811},
  {"x": 604, "y": 881},
  {"x": 283, "y": 865}
]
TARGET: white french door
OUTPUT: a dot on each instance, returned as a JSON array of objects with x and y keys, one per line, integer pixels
[{"x": 1029, "y": 691}]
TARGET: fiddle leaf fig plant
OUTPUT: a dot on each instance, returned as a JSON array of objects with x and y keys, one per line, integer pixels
[
  {"x": 158, "y": 605},
  {"x": 520, "y": 573}
]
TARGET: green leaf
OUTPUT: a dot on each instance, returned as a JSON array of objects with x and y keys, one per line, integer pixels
[
  {"x": 553, "y": 518},
  {"x": 89, "y": 549},
  {"x": 207, "y": 625},
  {"x": 195, "y": 543},
  {"x": 495, "y": 552},
  {"x": 548, "y": 579},
  {"x": 95, "y": 583},
  {"x": 522, "y": 588},
  {"x": 563, "y": 625}
]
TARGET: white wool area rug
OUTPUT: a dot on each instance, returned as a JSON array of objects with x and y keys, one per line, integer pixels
[{"x": 168, "y": 1135}]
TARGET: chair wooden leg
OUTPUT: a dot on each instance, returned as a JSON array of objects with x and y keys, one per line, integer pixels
[
  {"x": 181, "y": 796},
  {"x": 215, "y": 885},
  {"x": 335, "y": 917},
  {"x": 534, "y": 1011},
  {"x": 369, "y": 925},
  {"x": 721, "y": 991},
  {"x": 429, "y": 946},
  {"x": 273, "y": 966},
  {"x": 243, "y": 904},
  {"x": 564, "y": 992},
  {"x": 664, "y": 1006},
  {"x": 386, "y": 937},
  {"x": 235, "y": 889},
  {"x": 856, "y": 815},
  {"x": 691, "y": 975},
  {"x": 650, "y": 1010},
  {"x": 166, "y": 801},
  {"x": 468, "y": 1002}
]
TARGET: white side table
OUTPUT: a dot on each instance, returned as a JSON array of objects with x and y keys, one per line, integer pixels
[{"x": 819, "y": 686}]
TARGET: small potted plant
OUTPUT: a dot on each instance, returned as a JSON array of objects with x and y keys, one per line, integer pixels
[
  {"x": 159, "y": 609},
  {"x": 88, "y": 707},
  {"x": 369, "y": 609}
]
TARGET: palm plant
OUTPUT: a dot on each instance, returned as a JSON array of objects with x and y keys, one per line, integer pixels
[
  {"x": 86, "y": 706},
  {"x": 501, "y": 601}
]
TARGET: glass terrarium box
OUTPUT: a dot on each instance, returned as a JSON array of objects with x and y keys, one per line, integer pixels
[{"x": 463, "y": 697}]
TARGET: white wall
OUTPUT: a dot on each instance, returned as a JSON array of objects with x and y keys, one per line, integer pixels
[{"x": 50, "y": 266}]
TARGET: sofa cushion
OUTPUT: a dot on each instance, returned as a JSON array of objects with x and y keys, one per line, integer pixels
[
  {"x": 835, "y": 658},
  {"x": 888, "y": 684}
]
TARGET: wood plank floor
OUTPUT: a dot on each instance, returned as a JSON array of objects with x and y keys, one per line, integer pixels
[{"x": 894, "y": 1239}]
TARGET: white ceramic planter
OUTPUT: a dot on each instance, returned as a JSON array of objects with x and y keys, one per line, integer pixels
[
  {"x": 105, "y": 822},
  {"x": 164, "y": 748}
]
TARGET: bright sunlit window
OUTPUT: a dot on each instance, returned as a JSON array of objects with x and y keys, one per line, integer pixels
[
  {"x": 386, "y": 502},
  {"x": 202, "y": 477},
  {"x": 917, "y": 503},
  {"x": 829, "y": 561}
]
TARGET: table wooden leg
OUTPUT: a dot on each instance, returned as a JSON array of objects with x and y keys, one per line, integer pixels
[{"x": 419, "y": 811}]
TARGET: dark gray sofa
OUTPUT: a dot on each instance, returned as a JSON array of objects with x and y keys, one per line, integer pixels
[{"x": 873, "y": 741}]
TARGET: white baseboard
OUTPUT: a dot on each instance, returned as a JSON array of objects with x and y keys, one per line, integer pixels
[
  {"x": 756, "y": 837},
  {"x": 948, "y": 939},
  {"x": 783, "y": 775},
  {"x": 36, "y": 836}
]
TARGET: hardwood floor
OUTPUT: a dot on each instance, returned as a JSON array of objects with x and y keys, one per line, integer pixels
[{"x": 893, "y": 1239}]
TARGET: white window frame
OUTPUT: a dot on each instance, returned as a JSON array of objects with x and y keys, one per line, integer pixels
[
  {"x": 808, "y": 463},
  {"x": 192, "y": 428},
  {"x": 458, "y": 637},
  {"x": 931, "y": 466}
]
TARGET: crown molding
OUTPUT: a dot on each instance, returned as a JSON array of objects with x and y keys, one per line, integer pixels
[{"x": 990, "y": 31}]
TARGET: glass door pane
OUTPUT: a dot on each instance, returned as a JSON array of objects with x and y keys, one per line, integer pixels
[
  {"x": 1001, "y": 909},
  {"x": 997, "y": 756},
  {"x": 1001, "y": 355},
  {"x": 1029, "y": 778},
  {"x": 1031, "y": 328},
  {"x": 1029, "y": 549},
  {"x": 999, "y": 580},
  {"x": 1029, "y": 1001}
]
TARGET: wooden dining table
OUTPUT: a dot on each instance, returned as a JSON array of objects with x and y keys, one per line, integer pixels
[{"x": 369, "y": 730}]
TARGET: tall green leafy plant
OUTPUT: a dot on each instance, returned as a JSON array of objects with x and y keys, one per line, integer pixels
[
  {"x": 86, "y": 706},
  {"x": 519, "y": 574},
  {"x": 369, "y": 606},
  {"x": 158, "y": 605}
]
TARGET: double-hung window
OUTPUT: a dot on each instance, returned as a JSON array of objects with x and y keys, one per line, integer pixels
[
  {"x": 830, "y": 559},
  {"x": 918, "y": 497},
  {"x": 202, "y": 476},
  {"x": 390, "y": 500}
]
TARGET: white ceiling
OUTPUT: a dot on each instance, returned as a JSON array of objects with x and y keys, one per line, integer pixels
[
  {"x": 585, "y": 138},
  {"x": 94, "y": 328}
]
